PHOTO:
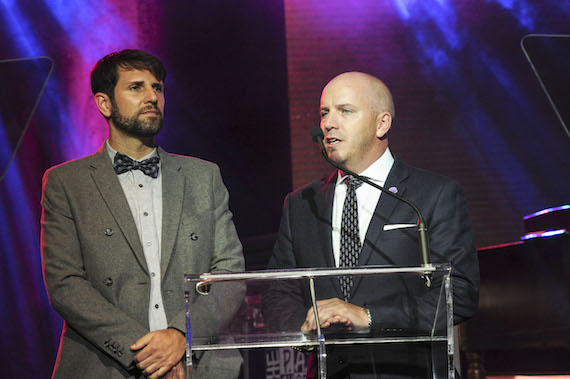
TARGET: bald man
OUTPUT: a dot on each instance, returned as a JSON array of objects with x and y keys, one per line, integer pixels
[{"x": 357, "y": 112}]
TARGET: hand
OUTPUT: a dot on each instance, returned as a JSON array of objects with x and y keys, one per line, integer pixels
[
  {"x": 336, "y": 311},
  {"x": 177, "y": 372},
  {"x": 159, "y": 351}
]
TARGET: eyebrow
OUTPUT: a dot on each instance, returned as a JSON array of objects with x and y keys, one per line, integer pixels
[{"x": 141, "y": 82}]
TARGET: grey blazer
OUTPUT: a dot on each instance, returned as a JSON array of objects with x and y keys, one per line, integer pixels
[{"x": 95, "y": 271}]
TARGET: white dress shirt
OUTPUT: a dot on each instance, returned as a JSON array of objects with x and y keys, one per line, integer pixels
[
  {"x": 366, "y": 196},
  {"x": 144, "y": 195}
]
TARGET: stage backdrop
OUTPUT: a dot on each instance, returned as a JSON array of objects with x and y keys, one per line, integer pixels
[
  {"x": 243, "y": 90},
  {"x": 226, "y": 101},
  {"x": 468, "y": 104}
]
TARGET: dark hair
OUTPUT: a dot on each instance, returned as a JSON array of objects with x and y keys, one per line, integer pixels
[{"x": 104, "y": 75}]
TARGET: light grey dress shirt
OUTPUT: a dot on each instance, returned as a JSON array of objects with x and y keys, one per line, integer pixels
[{"x": 144, "y": 195}]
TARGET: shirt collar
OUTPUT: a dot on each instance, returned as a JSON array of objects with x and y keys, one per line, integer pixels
[
  {"x": 376, "y": 172},
  {"x": 112, "y": 152}
]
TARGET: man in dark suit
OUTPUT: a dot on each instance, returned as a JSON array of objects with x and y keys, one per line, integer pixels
[
  {"x": 338, "y": 222},
  {"x": 121, "y": 227}
]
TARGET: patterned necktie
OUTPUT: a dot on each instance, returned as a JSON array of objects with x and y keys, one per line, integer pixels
[
  {"x": 349, "y": 235},
  {"x": 149, "y": 166}
]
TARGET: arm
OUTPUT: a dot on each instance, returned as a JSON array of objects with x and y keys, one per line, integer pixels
[
  {"x": 283, "y": 302},
  {"x": 405, "y": 303},
  {"x": 70, "y": 291},
  {"x": 209, "y": 313},
  {"x": 451, "y": 240},
  {"x": 226, "y": 256}
]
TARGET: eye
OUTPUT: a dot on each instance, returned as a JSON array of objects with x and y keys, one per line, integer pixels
[
  {"x": 158, "y": 87},
  {"x": 135, "y": 87},
  {"x": 346, "y": 111},
  {"x": 324, "y": 113}
]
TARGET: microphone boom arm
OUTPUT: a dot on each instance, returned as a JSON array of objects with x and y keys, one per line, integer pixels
[{"x": 318, "y": 137}]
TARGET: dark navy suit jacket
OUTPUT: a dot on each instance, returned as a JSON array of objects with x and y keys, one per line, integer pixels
[{"x": 304, "y": 241}]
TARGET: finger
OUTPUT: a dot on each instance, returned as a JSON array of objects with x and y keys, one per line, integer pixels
[
  {"x": 310, "y": 315},
  {"x": 152, "y": 369},
  {"x": 180, "y": 372},
  {"x": 144, "y": 355},
  {"x": 142, "y": 342},
  {"x": 159, "y": 373}
]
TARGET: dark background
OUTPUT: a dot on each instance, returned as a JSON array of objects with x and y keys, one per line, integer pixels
[{"x": 243, "y": 86}]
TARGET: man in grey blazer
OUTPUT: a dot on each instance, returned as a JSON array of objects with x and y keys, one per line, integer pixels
[
  {"x": 121, "y": 227},
  {"x": 332, "y": 221}
]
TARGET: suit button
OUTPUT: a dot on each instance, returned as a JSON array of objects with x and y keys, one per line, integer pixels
[
  {"x": 193, "y": 236},
  {"x": 108, "y": 282},
  {"x": 108, "y": 232}
]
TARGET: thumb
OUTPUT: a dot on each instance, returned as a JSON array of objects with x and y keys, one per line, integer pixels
[{"x": 142, "y": 342}]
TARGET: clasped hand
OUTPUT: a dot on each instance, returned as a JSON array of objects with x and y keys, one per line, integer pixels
[
  {"x": 336, "y": 311},
  {"x": 160, "y": 353}
]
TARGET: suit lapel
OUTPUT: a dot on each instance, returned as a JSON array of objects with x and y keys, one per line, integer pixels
[
  {"x": 172, "y": 198},
  {"x": 382, "y": 214},
  {"x": 110, "y": 188},
  {"x": 325, "y": 202}
]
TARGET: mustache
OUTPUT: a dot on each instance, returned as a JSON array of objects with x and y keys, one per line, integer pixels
[{"x": 150, "y": 108}]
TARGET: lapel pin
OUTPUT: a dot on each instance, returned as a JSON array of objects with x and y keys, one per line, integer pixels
[{"x": 393, "y": 189}]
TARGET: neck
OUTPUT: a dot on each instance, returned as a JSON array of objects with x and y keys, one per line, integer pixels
[
  {"x": 134, "y": 147},
  {"x": 362, "y": 165}
]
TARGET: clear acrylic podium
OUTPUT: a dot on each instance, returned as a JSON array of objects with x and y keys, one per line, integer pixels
[{"x": 265, "y": 309}]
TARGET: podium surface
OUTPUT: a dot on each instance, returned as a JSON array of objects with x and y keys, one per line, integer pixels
[{"x": 260, "y": 310}]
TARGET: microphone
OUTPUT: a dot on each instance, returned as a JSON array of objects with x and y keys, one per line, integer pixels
[{"x": 318, "y": 136}]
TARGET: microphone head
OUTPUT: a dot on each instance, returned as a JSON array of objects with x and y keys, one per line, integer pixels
[{"x": 317, "y": 134}]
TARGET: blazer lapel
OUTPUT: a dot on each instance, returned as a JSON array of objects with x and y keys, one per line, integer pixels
[
  {"x": 325, "y": 202},
  {"x": 110, "y": 188},
  {"x": 382, "y": 214},
  {"x": 172, "y": 197}
]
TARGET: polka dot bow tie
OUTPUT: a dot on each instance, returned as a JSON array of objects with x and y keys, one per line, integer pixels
[{"x": 149, "y": 166}]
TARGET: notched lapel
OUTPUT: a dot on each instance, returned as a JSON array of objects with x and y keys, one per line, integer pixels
[
  {"x": 173, "y": 183},
  {"x": 110, "y": 188},
  {"x": 382, "y": 214},
  {"x": 325, "y": 204}
]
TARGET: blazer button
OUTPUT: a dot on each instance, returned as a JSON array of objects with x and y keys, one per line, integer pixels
[
  {"x": 108, "y": 282},
  {"x": 193, "y": 236},
  {"x": 108, "y": 232}
]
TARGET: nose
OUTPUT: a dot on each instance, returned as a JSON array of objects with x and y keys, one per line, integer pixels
[
  {"x": 328, "y": 122},
  {"x": 151, "y": 96}
]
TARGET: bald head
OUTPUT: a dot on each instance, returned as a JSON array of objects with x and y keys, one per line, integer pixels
[
  {"x": 356, "y": 115},
  {"x": 370, "y": 87}
]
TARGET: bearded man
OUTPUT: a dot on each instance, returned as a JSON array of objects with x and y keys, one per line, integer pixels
[{"x": 121, "y": 227}]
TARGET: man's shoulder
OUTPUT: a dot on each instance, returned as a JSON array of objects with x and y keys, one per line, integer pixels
[
  {"x": 423, "y": 176},
  {"x": 187, "y": 162},
  {"x": 321, "y": 187},
  {"x": 70, "y": 167}
]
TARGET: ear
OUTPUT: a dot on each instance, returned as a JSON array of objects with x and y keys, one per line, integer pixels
[
  {"x": 104, "y": 104},
  {"x": 383, "y": 124}
]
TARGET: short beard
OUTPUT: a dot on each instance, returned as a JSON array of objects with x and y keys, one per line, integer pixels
[{"x": 134, "y": 126}]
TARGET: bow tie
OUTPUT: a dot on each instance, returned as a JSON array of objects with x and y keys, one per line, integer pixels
[{"x": 149, "y": 166}]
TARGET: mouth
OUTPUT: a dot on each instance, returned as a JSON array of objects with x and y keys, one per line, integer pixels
[
  {"x": 152, "y": 111},
  {"x": 332, "y": 140}
]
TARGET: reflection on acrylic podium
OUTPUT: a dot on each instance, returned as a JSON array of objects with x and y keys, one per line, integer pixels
[{"x": 260, "y": 314}]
